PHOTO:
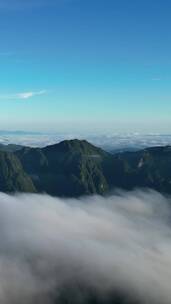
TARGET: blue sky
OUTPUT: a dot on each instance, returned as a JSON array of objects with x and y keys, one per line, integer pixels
[{"x": 92, "y": 65}]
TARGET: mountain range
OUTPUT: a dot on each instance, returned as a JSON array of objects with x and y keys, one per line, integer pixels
[{"x": 75, "y": 167}]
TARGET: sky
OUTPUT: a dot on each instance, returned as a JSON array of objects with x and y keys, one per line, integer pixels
[{"x": 92, "y": 65}]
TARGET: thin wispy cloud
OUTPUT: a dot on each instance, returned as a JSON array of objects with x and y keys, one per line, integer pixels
[{"x": 22, "y": 95}]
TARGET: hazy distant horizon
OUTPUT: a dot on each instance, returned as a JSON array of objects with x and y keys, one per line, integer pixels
[{"x": 111, "y": 141}]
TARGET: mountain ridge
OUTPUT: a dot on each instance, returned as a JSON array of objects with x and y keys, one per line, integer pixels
[{"x": 76, "y": 167}]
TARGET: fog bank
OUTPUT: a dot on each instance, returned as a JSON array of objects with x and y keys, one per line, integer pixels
[{"x": 118, "y": 243}]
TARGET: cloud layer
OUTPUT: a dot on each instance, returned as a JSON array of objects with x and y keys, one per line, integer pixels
[
  {"x": 121, "y": 242},
  {"x": 110, "y": 142},
  {"x": 23, "y": 95}
]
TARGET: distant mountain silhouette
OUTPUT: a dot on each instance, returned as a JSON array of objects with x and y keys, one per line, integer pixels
[{"x": 10, "y": 147}]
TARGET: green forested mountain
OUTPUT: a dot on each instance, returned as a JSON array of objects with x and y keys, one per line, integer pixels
[
  {"x": 12, "y": 176},
  {"x": 74, "y": 168},
  {"x": 148, "y": 168},
  {"x": 70, "y": 168}
]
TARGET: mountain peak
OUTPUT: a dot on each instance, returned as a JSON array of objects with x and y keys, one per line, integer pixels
[{"x": 75, "y": 145}]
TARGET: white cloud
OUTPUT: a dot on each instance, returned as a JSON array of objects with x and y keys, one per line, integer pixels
[
  {"x": 120, "y": 242},
  {"x": 27, "y": 95},
  {"x": 111, "y": 142},
  {"x": 23, "y": 95}
]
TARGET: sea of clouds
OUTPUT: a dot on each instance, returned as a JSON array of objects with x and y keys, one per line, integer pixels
[
  {"x": 117, "y": 243},
  {"x": 112, "y": 142}
]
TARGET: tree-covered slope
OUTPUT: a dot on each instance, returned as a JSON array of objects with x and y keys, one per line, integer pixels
[
  {"x": 12, "y": 176},
  {"x": 148, "y": 168}
]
